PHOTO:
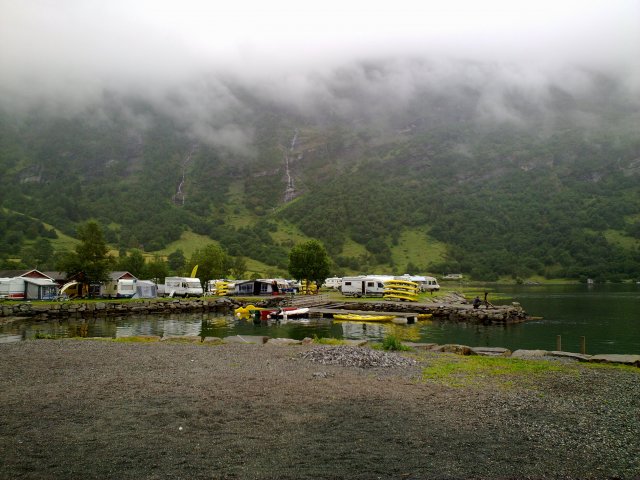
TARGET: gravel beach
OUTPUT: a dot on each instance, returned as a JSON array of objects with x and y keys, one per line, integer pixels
[{"x": 102, "y": 409}]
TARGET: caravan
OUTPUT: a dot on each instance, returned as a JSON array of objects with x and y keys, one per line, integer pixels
[
  {"x": 28, "y": 288},
  {"x": 333, "y": 282},
  {"x": 122, "y": 288},
  {"x": 364, "y": 285},
  {"x": 426, "y": 284}
]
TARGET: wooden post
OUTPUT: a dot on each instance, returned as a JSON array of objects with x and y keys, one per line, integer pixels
[
  {"x": 583, "y": 345},
  {"x": 559, "y": 343}
]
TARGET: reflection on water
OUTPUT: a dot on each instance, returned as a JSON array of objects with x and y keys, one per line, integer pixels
[{"x": 608, "y": 316}]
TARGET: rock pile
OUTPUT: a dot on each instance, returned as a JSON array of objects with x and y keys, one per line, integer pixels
[{"x": 356, "y": 357}]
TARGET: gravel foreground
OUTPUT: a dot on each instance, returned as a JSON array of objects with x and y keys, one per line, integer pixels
[{"x": 100, "y": 409}]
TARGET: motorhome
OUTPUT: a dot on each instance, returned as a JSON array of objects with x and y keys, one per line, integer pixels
[
  {"x": 181, "y": 287},
  {"x": 364, "y": 285}
]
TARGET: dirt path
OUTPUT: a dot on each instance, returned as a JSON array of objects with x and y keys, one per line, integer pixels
[{"x": 99, "y": 409}]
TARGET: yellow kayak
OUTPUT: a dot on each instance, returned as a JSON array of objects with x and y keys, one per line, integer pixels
[
  {"x": 404, "y": 283},
  {"x": 364, "y": 318},
  {"x": 402, "y": 297},
  {"x": 400, "y": 291}
]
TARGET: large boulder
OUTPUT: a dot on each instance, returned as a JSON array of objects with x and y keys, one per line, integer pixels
[{"x": 454, "y": 348}]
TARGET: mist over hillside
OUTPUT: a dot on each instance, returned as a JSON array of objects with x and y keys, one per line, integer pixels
[
  {"x": 495, "y": 140},
  {"x": 458, "y": 150}
]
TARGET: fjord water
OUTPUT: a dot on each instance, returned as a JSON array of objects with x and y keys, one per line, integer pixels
[{"x": 608, "y": 316}]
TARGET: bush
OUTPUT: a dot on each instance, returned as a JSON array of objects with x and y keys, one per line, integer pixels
[{"x": 391, "y": 342}]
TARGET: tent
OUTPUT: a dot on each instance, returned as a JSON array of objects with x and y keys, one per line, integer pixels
[{"x": 146, "y": 289}]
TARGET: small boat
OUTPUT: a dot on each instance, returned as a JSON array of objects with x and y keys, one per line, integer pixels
[
  {"x": 285, "y": 314},
  {"x": 424, "y": 316},
  {"x": 354, "y": 317},
  {"x": 266, "y": 313}
]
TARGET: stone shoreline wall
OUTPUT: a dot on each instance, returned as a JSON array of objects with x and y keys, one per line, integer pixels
[
  {"x": 455, "y": 312},
  {"x": 115, "y": 308},
  {"x": 450, "y": 311}
]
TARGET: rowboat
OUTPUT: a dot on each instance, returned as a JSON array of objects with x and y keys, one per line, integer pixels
[{"x": 363, "y": 318}]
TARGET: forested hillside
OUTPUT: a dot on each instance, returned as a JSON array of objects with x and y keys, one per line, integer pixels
[{"x": 533, "y": 186}]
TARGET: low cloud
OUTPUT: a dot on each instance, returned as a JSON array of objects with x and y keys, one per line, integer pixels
[{"x": 356, "y": 60}]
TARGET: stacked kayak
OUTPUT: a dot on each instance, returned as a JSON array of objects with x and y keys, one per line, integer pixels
[
  {"x": 308, "y": 288},
  {"x": 401, "y": 290},
  {"x": 222, "y": 288}
]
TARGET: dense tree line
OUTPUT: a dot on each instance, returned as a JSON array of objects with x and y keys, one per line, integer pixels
[{"x": 506, "y": 201}]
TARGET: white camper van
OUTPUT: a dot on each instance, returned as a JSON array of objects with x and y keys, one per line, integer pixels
[
  {"x": 181, "y": 287},
  {"x": 364, "y": 285}
]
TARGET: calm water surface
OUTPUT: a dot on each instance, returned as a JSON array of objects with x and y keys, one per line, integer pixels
[{"x": 608, "y": 316}]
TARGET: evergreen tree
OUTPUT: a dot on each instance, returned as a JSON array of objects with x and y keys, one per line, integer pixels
[
  {"x": 90, "y": 263},
  {"x": 309, "y": 261}
]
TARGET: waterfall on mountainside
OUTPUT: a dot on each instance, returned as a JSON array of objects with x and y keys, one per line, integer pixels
[
  {"x": 180, "y": 196},
  {"x": 290, "y": 190}
]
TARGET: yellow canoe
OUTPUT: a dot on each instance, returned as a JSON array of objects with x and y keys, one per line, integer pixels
[
  {"x": 400, "y": 291},
  {"x": 364, "y": 318},
  {"x": 402, "y": 297},
  {"x": 405, "y": 283}
]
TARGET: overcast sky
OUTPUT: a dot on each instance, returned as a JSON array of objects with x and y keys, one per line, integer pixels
[
  {"x": 139, "y": 40},
  {"x": 67, "y": 52}
]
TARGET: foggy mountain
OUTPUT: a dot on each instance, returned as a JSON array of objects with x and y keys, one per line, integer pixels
[{"x": 458, "y": 150}]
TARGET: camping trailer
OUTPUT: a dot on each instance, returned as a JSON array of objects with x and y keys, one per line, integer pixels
[
  {"x": 426, "y": 284},
  {"x": 333, "y": 282},
  {"x": 28, "y": 288},
  {"x": 121, "y": 288},
  {"x": 364, "y": 285}
]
